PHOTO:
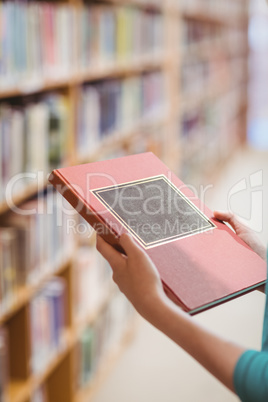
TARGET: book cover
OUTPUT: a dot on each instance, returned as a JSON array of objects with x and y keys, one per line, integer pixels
[{"x": 200, "y": 260}]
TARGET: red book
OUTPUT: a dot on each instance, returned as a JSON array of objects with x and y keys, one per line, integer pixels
[{"x": 201, "y": 261}]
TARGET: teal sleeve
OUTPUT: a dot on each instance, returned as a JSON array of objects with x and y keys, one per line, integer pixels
[
  {"x": 251, "y": 371},
  {"x": 251, "y": 376}
]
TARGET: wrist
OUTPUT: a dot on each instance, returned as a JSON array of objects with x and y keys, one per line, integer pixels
[
  {"x": 160, "y": 311},
  {"x": 153, "y": 305}
]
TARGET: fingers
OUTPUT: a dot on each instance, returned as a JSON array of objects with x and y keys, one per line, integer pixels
[
  {"x": 129, "y": 245},
  {"x": 229, "y": 217},
  {"x": 115, "y": 258},
  {"x": 222, "y": 215}
]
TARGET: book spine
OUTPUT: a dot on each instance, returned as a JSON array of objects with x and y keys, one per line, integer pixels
[
  {"x": 87, "y": 361},
  {"x": 43, "y": 242},
  {"x": 54, "y": 293},
  {"x": 8, "y": 268},
  {"x": 68, "y": 192},
  {"x": 47, "y": 323}
]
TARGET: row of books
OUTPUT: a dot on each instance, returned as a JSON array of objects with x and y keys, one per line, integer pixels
[
  {"x": 200, "y": 75},
  {"x": 47, "y": 323},
  {"x": 34, "y": 241},
  {"x": 196, "y": 32},
  {"x": 103, "y": 107},
  {"x": 201, "y": 35},
  {"x": 33, "y": 138},
  {"x": 205, "y": 133},
  {"x": 50, "y": 40},
  {"x": 108, "y": 33},
  {"x": 197, "y": 74},
  {"x": 98, "y": 339},
  {"x": 222, "y": 9},
  {"x": 116, "y": 106},
  {"x": 213, "y": 114}
]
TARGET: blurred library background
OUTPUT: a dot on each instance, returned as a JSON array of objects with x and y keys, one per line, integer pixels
[{"x": 82, "y": 81}]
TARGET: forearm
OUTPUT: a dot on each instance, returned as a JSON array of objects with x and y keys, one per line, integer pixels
[{"x": 217, "y": 355}]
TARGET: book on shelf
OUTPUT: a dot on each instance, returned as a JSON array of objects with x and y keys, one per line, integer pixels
[
  {"x": 55, "y": 41},
  {"x": 34, "y": 241},
  {"x": 21, "y": 149},
  {"x": 10, "y": 272},
  {"x": 138, "y": 194},
  {"x": 47, "y": 323},
  {"x": 85, "y": 357},
  {"x": 104, "y": 108},
  {"x": 117, "y": 105}
]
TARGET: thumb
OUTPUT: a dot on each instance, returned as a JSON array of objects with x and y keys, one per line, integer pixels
[
  {"x": 129, "y": 245},
  {"x": 229, "y": 217}
]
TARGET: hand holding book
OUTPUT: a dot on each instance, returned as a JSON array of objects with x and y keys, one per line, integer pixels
[
  {"x": 138, "y": 278},
  {"x": 136, "y": 275},
  {"x": 244, "y": 232}
]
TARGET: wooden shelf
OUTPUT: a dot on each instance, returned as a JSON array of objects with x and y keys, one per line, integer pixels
[
  {"x": 152, "y": 4},
  {"x": 19, "y": 391},
  {"x": 25, "y": 294},
  {"x": 203, "y": 50},
  {"x": 98, "y": 71}
]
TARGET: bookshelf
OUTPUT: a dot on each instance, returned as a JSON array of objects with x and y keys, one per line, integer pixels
[{"x": 139, "y": 76}]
